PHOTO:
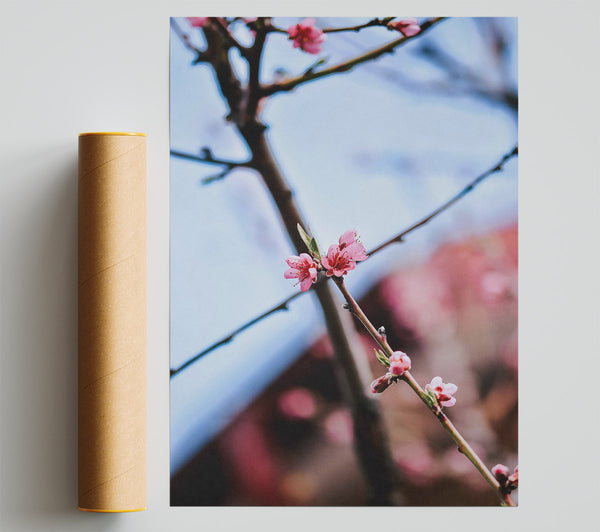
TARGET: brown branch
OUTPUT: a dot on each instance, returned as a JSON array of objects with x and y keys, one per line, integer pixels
[
  {"x": 371, "y": 23},
  {"x": 400, "y": 236},
  {"x": 231, "y": 41},
  {"x": 463, "y": 445},
  {"x": 208, "y": 158},
  {"x": 374, "y": 22},
  {"x": 370, "y": 438},
  {"x": 254, "y": 57},
  {"x": 349, "y": 64}
]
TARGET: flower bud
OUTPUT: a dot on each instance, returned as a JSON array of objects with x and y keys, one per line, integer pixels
[
  {"x": 501, "y": 473},
  {"x": 408, "y": 26},
  {"x": 381, "y": 384}
]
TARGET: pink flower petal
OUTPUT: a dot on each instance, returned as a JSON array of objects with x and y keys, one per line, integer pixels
[
  {"x": 450, "y": 389},
  {"x": 449, "y": 402},
  {"x": 197, "y": 22},
  {"x": 291, "y": 273},
  {"x": 294, "y": 262},
  {"x": 356, "y": 251},
  {"x": 348, "y": 237},
  {"x": 409, "y": 31},
  {"x": 306, "y": 36},
  {"x": 305, "y": 284},
  {"x": 436, "y": 381}
]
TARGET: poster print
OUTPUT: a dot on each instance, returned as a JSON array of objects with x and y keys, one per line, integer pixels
[{"x": 344, "y": 261}]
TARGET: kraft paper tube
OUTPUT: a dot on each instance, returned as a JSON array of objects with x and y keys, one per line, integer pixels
[{"x": 112, "y": 322}]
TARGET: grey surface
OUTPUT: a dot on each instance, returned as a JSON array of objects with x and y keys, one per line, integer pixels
[{"x": 71, "y": 67}]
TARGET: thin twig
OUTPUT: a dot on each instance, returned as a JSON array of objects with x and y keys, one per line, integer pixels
[
  {"x": 375, "y": 250},
  {"x": 349, "y": 64},
  {"x": 374, "y": 22},
  {"x": 208, "y": 158},
  {"x": 463, "y": 445},
  {"x": 400, "y": 236},
  {"x": 283, "y": 305}
]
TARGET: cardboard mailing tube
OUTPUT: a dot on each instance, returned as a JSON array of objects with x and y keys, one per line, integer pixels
[{"x": 112, "y": 322}]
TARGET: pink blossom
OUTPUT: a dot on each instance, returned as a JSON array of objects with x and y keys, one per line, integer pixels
[
  {"x": 381, "y": 384},
  {"x": 197, "y": 22},
  {"x": 337, "y": 262},
  {"x": 443, "y": 392},
  {"x": 399, "y": 363},
  {"x": 407, "y": 26},
  {"x": 306, "y": 36},
  {"x": 303, "y": 268},
  {"x": 349, "y": 241},
  {"x": 342, "y": 257}
]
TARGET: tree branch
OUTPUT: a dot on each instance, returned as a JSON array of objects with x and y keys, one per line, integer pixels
[
  {"x": 283, "y": 305},
  {"x": 231, "y": 41},
  {"x": 254, "y": 60},
  {"x": 374, "y": 22},
  {"x": 208, "y": 158},
  {"x": 370, "y": 438},
  {"x": 400, "y": 236},
  {"x": 463, "y": 445},
  {"x": 347, "y": 65}
]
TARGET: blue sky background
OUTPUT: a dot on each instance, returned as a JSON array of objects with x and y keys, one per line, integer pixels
[{"x": 361, "y": 151}]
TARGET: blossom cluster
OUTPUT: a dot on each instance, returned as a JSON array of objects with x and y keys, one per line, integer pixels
[
  {"x": 306, "y": 36},
  {"x": 340, "y": 259},
  {"x": 399, "y": 363}
]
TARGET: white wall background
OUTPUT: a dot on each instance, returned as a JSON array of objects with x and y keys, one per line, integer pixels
[{"x": 72, "y": 66}]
